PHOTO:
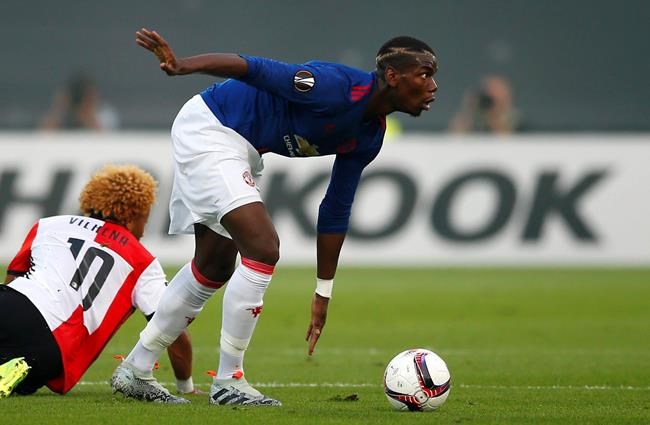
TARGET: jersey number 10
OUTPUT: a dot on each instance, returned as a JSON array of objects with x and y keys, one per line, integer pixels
[{"x": 82, "y": 270}]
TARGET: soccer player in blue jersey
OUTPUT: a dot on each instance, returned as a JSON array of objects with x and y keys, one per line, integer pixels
[{"x": 219, "y": 136}]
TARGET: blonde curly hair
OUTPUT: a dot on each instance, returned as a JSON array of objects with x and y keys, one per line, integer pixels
[{"x": 121, "y": 193}]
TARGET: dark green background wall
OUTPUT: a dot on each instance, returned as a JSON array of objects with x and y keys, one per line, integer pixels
[{"x": 575, "y": 65}]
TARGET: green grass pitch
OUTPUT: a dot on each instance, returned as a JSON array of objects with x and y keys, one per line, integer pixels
[{"x": 524, "y": 346}]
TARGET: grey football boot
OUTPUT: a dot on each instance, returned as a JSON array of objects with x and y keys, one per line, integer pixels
[
  {"x": 237, "y": 391},
  {"x": 140, "y": 386}
]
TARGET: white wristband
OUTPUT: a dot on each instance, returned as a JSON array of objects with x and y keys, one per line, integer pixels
[
  {"x": 184, "y": 386},
  {"x": 324, "y": 287}
]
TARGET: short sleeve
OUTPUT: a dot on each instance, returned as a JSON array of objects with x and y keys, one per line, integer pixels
[
  {"x": 149, "y": 288},
  {"x": 22, "y": 261}
]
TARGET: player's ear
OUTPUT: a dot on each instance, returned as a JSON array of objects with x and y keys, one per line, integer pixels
[{"x": 392, "y": 76}]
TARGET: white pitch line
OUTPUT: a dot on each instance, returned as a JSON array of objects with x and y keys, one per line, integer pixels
[
  {"x": 557, "y": 387},
  {"x": 366, "y": 385}
]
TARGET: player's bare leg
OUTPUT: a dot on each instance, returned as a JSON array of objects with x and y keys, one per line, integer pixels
[{"x": 256, "y": 239}]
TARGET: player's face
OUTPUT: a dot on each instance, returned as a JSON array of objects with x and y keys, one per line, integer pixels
[{"x": 415, "y": 90}]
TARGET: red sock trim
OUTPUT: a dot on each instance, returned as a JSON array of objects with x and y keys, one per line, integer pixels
[
  {"x": 204, "y": 280},
  {"x": 257, "y": 266}
]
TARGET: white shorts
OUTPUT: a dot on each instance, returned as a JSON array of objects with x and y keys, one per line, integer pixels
[{"x": 214, "y": 170}]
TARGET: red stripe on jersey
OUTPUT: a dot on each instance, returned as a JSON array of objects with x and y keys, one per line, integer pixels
[
  {"x": 358, "y": 94},
  {"x": 366, "y": 87},
  {"x": 80, "y": 349},
  {"x": 21, "y": 263},
  {"x": 204, "y": 280},
  {"x": 258, "y": 266}
]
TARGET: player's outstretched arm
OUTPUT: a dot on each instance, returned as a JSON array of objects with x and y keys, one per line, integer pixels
[
  {"x": 225, "y": 65},
  {"x": 328, "y": 247},
  {"x": 319, "y": 306}
]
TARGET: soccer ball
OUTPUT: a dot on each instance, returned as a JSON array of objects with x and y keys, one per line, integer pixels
[{"x": 417, "y": 379}]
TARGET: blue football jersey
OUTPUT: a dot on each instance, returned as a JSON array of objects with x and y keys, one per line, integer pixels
[{"x": 309, "y": 109}]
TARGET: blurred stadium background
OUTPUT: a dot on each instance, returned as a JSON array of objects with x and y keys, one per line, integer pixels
[{"x": 577, "y": 65}]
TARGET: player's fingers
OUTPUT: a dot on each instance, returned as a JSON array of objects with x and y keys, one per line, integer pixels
[
  {"x": 308, "y": 333},
  {"x": 141, "y": 39},
  {"x": 142, "y": 34},
  {"x": 142, "y": 43},
  {"x": 159, "y": 38},
  {"x": 312, "y": 345},
  {"x": 147, "y": 32},
  {"x": 145, "y": 45},
  {"x": 314, "y": 339},
  {"x": 146, "y": 42},
  {"x": 152, "y": 38}
]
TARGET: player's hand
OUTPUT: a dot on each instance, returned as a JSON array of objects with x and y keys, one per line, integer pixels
[
  {"x": 154, "y": 42},
  {"x": 318, "y": 317}
]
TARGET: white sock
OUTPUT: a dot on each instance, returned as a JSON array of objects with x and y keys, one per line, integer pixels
[
  {"x": 181, "y": 302},
  {"x": 242, "y": 305},
  {"x": 141, "y": 358}
]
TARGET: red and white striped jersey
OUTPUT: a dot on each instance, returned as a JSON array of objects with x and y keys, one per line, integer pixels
[{"x": 85, "y": 276}]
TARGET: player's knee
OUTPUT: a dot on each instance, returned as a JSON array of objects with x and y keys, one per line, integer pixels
[
  {"x": 267, "y": 253},
  {"x": 216, "y": 271}
]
